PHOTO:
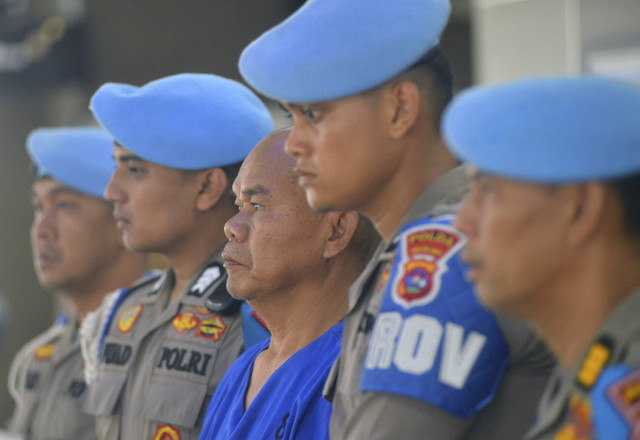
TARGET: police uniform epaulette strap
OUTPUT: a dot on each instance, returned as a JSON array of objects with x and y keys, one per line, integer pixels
[
  {"x": 149, "y": 277},
  {"x": 212, "y": 285},
  {"x": 597, "y": 358}
]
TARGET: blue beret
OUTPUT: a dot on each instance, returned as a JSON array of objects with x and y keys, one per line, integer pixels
[
  {"x": 331, "y": 49},
  {"x": 78, "y": 157},
  {"x": 185, "y": 121},
  {"x": 548, "y": 130}
]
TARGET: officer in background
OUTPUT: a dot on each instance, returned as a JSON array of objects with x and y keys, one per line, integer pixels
[
  {"x": 421, "y": 358},
  {"x": 164, "y": 347},
  {"x": 294, "y": 266},
  {"x": 77, "y": 252},
  {"x": 553, "y": 222}
]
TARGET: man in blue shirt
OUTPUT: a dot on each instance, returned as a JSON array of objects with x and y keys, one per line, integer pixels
[{"x": 294, "y": 267}]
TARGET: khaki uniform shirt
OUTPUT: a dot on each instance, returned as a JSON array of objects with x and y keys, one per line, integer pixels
[
  {"x": 377, "y": 415},
  {"x": 161, "y": 361},
  {"x": 54, "y": 390},
  {"x": 600, "y": 397}
]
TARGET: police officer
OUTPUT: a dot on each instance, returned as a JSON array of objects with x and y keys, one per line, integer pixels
[
  {"x": 553, "y": 222},
  {"x": 165, "y": 346},
  {"x": 79, "y": 253},
  {"x": 366, "y": 83}
]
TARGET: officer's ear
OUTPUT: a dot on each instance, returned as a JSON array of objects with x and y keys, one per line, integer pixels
[
  {"x": 587, "y": 211},
  {"x": 212, "y": 185},
  {"x": 343, "y": 225},
  {"x": 405, "y": 100}
]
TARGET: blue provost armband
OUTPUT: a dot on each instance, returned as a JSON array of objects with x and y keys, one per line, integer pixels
[
  {"x": 433, "y": 340},
  {"x": 616, "y": 403}
]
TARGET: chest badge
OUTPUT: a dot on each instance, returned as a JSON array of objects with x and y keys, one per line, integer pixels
[
  {"x": 44, "y": 352},
  {"x": 185, "y": 321},
  {"x": 128, "y": 318},
  {"x": 212, "y": 328},
  {"x": 166, "y": 432},
  {"x": 579, "y": 426}
]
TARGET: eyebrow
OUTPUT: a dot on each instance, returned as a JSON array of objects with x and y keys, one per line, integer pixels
[
  {"x": 258, "y": 190},
  {"x": 128, "y": 158}
]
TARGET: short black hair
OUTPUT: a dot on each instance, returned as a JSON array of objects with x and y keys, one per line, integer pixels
[
  {"x": 628, "y": 190},
  {"x": 432, "y": 74},
  {"x": 231, "y": 171}
]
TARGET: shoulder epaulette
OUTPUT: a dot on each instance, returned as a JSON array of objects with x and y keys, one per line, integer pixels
[{"x": 148, "y": 278}]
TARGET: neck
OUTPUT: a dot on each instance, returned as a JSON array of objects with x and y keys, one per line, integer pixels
[
  {"x": 187, "y": 255},
  {"x": 189, "y": 260},
  {"x": 583, "y": 301},
  {"x": 311, "y": 310},
  {"x": 421, "y": 166},
  {"x": 123, "y": 272}
]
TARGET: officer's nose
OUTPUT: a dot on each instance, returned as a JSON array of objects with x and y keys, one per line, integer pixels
[
  {"x": 236, "y": 228},
  {"x": 44, "y": 225},
  {"x": 114, "y": 191},
  {"x": 297, "y": 145},
  {"x": 467, "y": 219}
]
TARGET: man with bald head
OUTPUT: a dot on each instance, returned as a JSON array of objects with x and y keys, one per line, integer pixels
[{"x": 294, "y": 267}]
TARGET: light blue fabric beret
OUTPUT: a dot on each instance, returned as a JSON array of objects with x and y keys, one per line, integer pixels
[
  {"x": 80, "y": 157},
  {"x": 186, "y": 121},
  {"x": 330, "y": 49},
  {"x": 549, "y": 130}
]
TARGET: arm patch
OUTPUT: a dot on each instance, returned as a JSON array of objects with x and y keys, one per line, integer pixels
[{"x": 432, "y": 339}]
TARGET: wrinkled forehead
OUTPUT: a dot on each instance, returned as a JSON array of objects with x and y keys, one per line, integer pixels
[{"x": 267, "y": 175}]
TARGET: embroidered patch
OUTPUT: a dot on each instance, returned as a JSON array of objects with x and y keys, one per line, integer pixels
[
  {"x": 579, "y": 425},
  {"x": 594, "y": 362},
  {"x": 166, "y": 432},
  {"x": 211, "y": 328},
  {"x": 424, "y": 252},
  {"x": 128, "y": 318},
  {"x": 185, "y": 322},
  {"x": 208, "y": 277},
  {"x": 625, "y": 396},
  {"x": 44, "y": 352}
]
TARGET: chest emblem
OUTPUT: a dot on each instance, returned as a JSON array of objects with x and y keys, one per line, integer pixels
[
  {"x": 185, "y": 322},
  {"x": 128, "y": 318},
  {"x": 166, "y": 432},
  {"x": 44, "y": 352},
  {"x": 579, "y": 426},
  {"x": 212, "y": 328},
  {"x": 424, "y": 252}
]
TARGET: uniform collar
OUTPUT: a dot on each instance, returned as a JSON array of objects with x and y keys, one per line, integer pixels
[{"x": 198, "y": 286}]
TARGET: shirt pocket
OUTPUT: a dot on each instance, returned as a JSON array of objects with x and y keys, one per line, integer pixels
[
  {"x": 179, "y": 386},
  {"x": 104, "y": 393}
]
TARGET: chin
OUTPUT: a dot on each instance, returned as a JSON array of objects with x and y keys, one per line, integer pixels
[
  {"x": 317, "y": 203},
  {"x": 136, "y": 246}
]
